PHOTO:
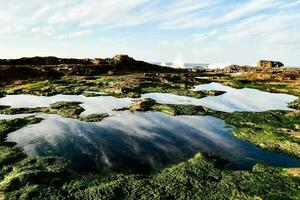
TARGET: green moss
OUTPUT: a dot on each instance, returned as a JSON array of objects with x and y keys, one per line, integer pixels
[
  {"x": 295, "y": 104},
  {"x": 2, "y": 93},
  {"x": 178, "y": 89},
  {"x": 118, "y": 86},
  {"x": 7, "y": 126},
  {"x": 201, "y": 177},
  {"x": 93, "y": 94},
  {"x": 265, "y": 129},
  {"x": 172, "y": 109},
  {"x": 263, "y": 85},
  {"x": 94, "y": 117},
  {"x": 63, "y": 108}
]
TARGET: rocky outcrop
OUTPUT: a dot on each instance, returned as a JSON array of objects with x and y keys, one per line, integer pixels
[
  {"x": 53, "y": 67},
  {"x": 51, "y": 60},
  {"x": 142, "y": 105},
  {"x": 269, "y": 64}
]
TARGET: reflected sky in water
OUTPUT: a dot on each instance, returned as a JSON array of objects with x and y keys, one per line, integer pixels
[
  {"x": 92, "y": 105},
  {"x": 138, "y": 142},
  {"x": 13, "y": 116},
  {"x": 233, "y": 100}
]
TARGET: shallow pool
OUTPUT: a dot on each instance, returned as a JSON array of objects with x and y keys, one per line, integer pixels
[
  {"x": 233, "y": 100},
  {"x": 139, "y": 142}
]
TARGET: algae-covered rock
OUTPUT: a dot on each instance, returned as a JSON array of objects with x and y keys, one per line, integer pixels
[
  {"x": 295, "y": 104},
  {"x": 94, "y": 117},
  {"x": 65, "y": 108},
  {"x": 174, "y": 110},
  {"x": 64, "y": 104},
  {"x": 142, "y": 105},
  {"x": 2, "y": 93}
]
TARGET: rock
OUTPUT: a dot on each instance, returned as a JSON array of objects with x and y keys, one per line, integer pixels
[
  {"x": 94, "y": 117},
  {"x": 121, "y": 60},
  {"x": 142, "y": 105},
  {"x": 2, "y": 94},
  {"x": 236, "y": 68},
  {"x": 269, "y": 64}
]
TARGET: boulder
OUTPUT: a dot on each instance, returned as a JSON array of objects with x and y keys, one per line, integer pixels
[
  {"x": 142, "y": 105},
  {"x": 269, "y": 64}
]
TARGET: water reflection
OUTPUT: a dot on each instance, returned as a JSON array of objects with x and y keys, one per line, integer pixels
[
  {"x": 92, "y": 105},
  {"x": 139, "y": 142},
  {"x": 4, "y": 117},
  {"x": 233, "y": 100}
]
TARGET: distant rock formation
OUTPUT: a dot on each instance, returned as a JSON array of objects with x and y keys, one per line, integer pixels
[
  {"x": 269, "y": 64},
  {"x": 53, "y": 67},
  {"x": 51, "y": 60},
  {"x": 236, "y": 68}
]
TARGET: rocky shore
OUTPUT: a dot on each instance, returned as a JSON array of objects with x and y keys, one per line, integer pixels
[{"x": 201, "y": 176}]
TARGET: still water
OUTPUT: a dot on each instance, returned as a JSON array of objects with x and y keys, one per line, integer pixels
[
  {"x": 233, "y": 100},
  {"x": 139, "y": 142},
  {"x": 142, "y": 142}
]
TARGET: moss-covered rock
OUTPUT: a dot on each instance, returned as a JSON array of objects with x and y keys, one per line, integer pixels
[
  {"x": 2, "y": 93},
  {"x": 119, "y": 86},
  {"x": 94, "y": 117},
  {"x": 63, "y": 108},
  {"x": 295, "y": 104},
  {"x": 142, "y": 105},
  {"x": 201, "y": 177}
]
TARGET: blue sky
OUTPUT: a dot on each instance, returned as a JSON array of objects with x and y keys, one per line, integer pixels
[{"x": 209, "y": 31}]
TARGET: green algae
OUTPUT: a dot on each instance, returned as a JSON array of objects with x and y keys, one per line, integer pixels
[
  {"x": 295, "y": 104},
  {"x": 2, "y": 93},
  {"x": 94, "y": 117},
  {"x": 119, "y": 86},
  {"x": 263, "y": 85},
  {"x": 67, "y": 109},
  {"x": 178, "y": 89},
  {"x": 265, "y": 129},
  {"x": 203, "y": 176}
]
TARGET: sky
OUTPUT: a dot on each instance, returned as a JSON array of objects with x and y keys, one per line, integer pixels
[{"x": 202, "y": 31}]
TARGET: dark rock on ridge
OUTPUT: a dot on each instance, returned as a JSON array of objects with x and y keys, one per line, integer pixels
[
  {"x": 53, "y": 67},
  {"x": 269, "y": 64}
]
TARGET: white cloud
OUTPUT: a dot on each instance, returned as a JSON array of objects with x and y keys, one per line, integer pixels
[
  {"x": 112, "y": 41},
  {"x": 76, "y": 34},
  {"x": 115, "y": 13},
  {"x": 168, "y": 43},
  {"x": 47, "y": 30},
  {"x": 105, "y": 40},
  {"x": 199, "y": 37},
  {"x": 263, "y": 23}
]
